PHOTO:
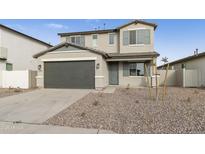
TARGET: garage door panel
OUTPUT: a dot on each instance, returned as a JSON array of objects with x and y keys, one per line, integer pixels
[{"x": 75, "y": 74}]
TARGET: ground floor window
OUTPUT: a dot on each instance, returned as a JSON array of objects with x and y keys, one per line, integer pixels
[
  {"x": 133, "y": 69},
  {"x": 9, "y": 66}
]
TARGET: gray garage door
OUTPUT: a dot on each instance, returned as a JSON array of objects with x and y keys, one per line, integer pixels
[{"x": 75, "y": 74}]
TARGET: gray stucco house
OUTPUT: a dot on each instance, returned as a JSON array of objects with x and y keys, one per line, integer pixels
[
  {"x": 17, "y": 49},
  {"x": 96, "y": 59}
]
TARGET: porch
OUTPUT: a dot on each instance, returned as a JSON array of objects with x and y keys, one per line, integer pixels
[{"x": 130, "y": 72}]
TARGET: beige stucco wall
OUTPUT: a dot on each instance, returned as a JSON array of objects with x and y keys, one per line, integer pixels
[
  {"x": 20, "y": 50},
  {"x": 137, "y": 48},
  {"x": 104, "y": 45},
  {"x": 101, "y": 74},
  {"x": 102, "y": 42}
]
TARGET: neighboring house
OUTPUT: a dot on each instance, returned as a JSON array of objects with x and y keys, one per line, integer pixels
[
  {"x": 96, "y": 59},
  {"x": 190, "y": 69},
  {"x": 17, "y": 50}
]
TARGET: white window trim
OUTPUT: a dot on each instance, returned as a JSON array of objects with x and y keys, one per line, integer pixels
[
  {"x": 109, "y": 39},
  {"x": 75, "y": 37},
  {"x": 135, "y": 45},
  {"x": 134, "y": 76},
  {"x": 99, "y": 77}
]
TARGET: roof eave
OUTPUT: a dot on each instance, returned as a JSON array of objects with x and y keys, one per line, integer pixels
[
  {"x": 184, "y": 59},
  {"x": 105, "y": 55},
  {"x": 25, "y": 35},
  {"x": 88, "y": 32},
  {"x": 138, "y": 21}
]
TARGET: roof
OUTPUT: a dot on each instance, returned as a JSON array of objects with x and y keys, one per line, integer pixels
[
  {"x": 70, "y": 44},
  {"x": 27, "y": 36},
  {"x": 108, "y": 30},
  {"x": 138, "y": 21},
  {"x": 106, "y": 55},
  {"x": 88, "y": 32},
  {"x": 184, "y": 59}
]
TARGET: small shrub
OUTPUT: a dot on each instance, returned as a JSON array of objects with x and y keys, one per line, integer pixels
[
  {"x": 188, "y": 99},
  {"x": 100, "y": 94},
  {"x": 17, "y": 90},
  {"x": 95, "y": 103},
  {"x": 137, "y": 101},
  {"x": 128, "y": 86},
  {"x": 196, "y": 92},
  {"x": 83, "y": 114}
]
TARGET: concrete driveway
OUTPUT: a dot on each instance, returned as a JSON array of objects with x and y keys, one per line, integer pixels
[{"x": 38, "y": 105}]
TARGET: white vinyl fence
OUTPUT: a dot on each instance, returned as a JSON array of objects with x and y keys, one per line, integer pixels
[
  {"x": 18, "y": 79},
  {"x": 183, "y": 78},
  {"x": 171, "y": 77}
]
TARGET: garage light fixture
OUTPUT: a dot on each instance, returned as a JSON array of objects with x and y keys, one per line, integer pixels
[{"x": 97, "y": 66}]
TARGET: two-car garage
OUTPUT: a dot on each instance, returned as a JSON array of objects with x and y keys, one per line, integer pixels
[
  {"x": 71, "y": 66},
  {"x": 69, "y": 74}
]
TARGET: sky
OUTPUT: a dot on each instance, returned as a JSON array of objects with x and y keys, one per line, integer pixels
[{"x": 173, "y": 38}]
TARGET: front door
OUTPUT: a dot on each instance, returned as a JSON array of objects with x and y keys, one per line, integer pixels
[{"x": 113, "y": 73}]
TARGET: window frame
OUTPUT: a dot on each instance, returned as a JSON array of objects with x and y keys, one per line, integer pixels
[
  {"x": 78, "y": 37},
  {"x": 10, "y": 65},
  {"x": 113, "y": 39},
  {"x": 134, "y": 37},
  {"x": 136, "y": 44},
  {"x": 75, "y": 38},
  {"x": 96, "y": 40},
  {"x": 136, "y": 72}
]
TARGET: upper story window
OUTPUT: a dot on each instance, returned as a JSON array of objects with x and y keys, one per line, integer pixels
[
  {"x": 78, "y": 40},
  {"x": 111, "y": 39},
  {"x": 132, "y": 37},
  {"x": 94, "y": 40},
  {"x": 136, "y": 37}
]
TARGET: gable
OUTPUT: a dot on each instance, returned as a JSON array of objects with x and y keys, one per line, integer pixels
[
  {"x": 137, "y": 25},
  {"x": 69, "y": 48}
]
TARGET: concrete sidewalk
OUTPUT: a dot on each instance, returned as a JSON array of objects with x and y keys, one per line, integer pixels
[{"x": 23, "y": 128}]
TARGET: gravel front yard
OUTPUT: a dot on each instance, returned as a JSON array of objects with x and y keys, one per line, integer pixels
[
  {"x": 12, "y": 91},
  {"x": 131, "y": 111}
]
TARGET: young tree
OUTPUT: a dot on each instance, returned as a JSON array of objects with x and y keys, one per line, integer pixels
[{"x": 165, "y": 60}]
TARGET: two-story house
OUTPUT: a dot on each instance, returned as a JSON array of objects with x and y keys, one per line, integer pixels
[
  {"x": 17, "y": 49},
  {"x": 96, "y": 59}
]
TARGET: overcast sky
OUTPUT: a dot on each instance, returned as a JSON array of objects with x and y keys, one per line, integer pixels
[{"x": 173, "y": 38}]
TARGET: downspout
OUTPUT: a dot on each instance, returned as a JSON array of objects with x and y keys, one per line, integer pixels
[
  {"x": 0, "y": 38},
  {"x": 118, "y": 41}
]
